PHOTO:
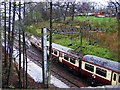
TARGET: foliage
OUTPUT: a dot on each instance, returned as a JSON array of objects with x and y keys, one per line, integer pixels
[
  {"x": 37, "y": 16},
  {"x": 35, "y": 30},
  {"x": 44, "y": 24},
  {"x": 31, "y": 29},
  {"x": 11, "y": 87},
  {"x": 33, "y": 17}
]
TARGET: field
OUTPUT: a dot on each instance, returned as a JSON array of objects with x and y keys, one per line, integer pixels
[
  {"x": 83, "y": 18},
  {"x": 109, "y": 23},
  {"x": 107, "y": 46},
  {"x": 97, "y": 50}
]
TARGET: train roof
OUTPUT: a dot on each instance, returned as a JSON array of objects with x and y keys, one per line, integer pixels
[
  {"x": 63, "y": 49},
  {"x": 36, "y": 38},
  {"x": 103, "y": 62}
]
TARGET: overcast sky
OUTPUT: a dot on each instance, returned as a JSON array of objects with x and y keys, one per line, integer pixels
[
  {"x": 101, "y": 1},
  {"x": 104, "y": 2}
]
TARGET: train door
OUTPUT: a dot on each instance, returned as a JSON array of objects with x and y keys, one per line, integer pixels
[
  {"x": 118, "y": 83},
  {"x": 61, "y": 57},
  {"x": 47, "y": 50},
  {"x": 115, "y": 79},
  {"x": 80, "y": 62}
]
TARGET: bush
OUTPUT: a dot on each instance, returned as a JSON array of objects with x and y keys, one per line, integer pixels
[{"x": 31, "y": 29}]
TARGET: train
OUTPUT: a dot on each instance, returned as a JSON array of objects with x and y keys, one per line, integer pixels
[{"x": 99, "y": 69}]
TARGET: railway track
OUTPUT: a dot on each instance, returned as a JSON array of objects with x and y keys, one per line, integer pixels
[
  {"x": 36, "y": 57},
  {"x": 68, "y": 79}
]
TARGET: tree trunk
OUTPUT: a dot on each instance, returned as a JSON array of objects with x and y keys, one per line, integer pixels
[
  {"x": 24, "y": 51},
  {"x": 5, "y": 58},
  {"x": 66, "y": 11},
  {"x": 26, "y": 66},
  {"x": 73, "y": 11},
  {"x": 9, "y": 29},
  {"x": 19, "y": 46},
  {"x": 24, "y": 55},
  {"x": 9, "y": 53},
  {"x": 50, "y": 48},
  {"x": 0, "y": 50}
]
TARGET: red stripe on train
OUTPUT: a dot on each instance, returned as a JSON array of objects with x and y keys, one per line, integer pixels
[
  {"x": 97, "y": 78},
  {"x": 70, "y": 65}
]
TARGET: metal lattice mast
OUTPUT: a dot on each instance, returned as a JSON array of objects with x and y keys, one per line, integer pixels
[{"x": 44, "y": 56}]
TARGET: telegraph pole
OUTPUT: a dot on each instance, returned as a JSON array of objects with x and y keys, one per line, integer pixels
[{"x": 81, "y": 39}]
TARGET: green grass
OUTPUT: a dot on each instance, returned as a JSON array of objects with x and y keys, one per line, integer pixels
[
  {"x": 83, "y": 18},
  {"x": 90, "y": 49},
  {"x": 108, "y": 23}
]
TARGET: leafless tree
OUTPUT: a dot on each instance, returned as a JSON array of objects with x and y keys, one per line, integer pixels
[
  {"x": 66, "y": 10},
  {"x": 19, "y": 75},
  {"x": 0, "y": 49},
  {"x": 9, "y": 54},
  {"x": 50, "y": 48},
  {"x": 5, "y": 58},
  {"x": 24, "y": 51},
  {"x": 117, "y": 9},
  {"x": 73, "y": 10}
]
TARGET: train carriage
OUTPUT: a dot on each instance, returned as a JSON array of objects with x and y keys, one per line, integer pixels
[
  {"x": 102, "y": 70},
  {"x": 62, "y": 54}
]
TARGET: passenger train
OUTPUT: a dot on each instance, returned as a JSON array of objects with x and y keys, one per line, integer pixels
[{"x": 101, "y": 70}]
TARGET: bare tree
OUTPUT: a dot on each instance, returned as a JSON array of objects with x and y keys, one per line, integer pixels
[
  {"x": 50, "y": 48},
  {"x": 9, "y": 53},
  {"x": 0, "y": 50},
  {"x": 117, "y": 6},
  {"x": 9, "y": 28},
  {"x": 5, "y": 58},
  {"x": 0, "y": 35},
  {"x": 66, "y": 11},
  {"x": 24, "y": 51},
  {"x": 19, "y": 45},
  {"x": 73, "y": 10}
]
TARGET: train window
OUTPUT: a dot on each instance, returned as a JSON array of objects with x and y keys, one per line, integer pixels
[
  {"x": 38, "y": 44},
  {"x": 119, "y": 79},
  {"x": 72, "y": 60},
  {"x": 101, "y": 72},
  {"x": 47, "y": 48},
  {"x": 66, "y": 57},
  {"x": 55, "y": 52},
  {"x": 89, "y": 67},
  {"x": 114, "y": 78},
  {"x": 52, "y": 50}
]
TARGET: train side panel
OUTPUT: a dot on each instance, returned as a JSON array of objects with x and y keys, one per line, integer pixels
[
  {"x": 71, "y": 66},
  {"x": 91, "y": 70}
]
